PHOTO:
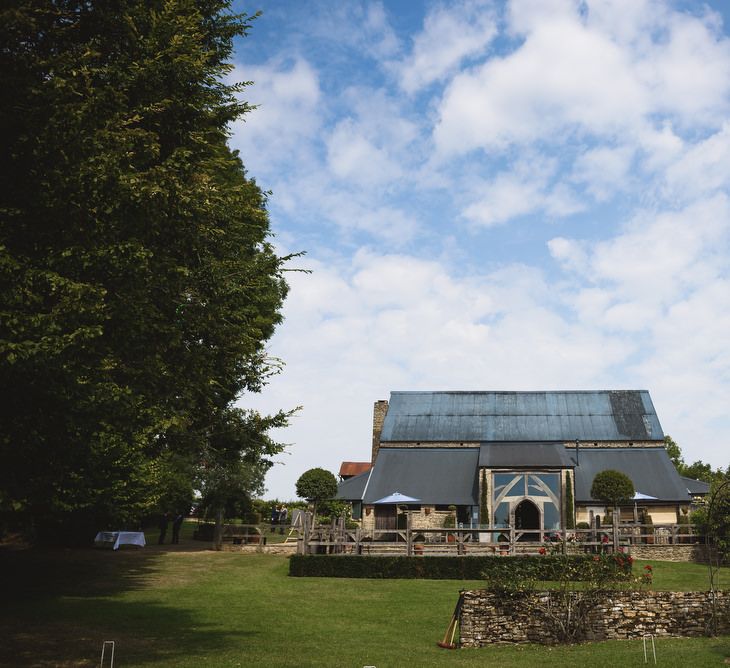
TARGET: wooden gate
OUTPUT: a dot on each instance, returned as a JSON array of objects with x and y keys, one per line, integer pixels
[{"x": 386, "y": 518}]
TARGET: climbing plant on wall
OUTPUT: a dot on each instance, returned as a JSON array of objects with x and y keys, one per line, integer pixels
[
  {"x": 569, "y": 506},
  {"x": 483, "y": 500}
]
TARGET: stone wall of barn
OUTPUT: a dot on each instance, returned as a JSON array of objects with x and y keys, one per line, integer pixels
[
  {"x": 427, "y": 517},
  {"x": 696, "y": 553},
  {"x": 488, "y": 618}
]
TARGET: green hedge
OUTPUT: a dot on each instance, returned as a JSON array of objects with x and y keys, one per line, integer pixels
[{"x": 546, "y": 567}]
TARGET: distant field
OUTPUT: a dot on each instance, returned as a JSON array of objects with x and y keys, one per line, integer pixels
[{"x": 189, "y": 607}]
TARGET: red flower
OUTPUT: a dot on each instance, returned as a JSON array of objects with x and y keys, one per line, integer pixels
[
  {"x": 596, "y": 558},
  {"x": 542, "y": 550},
  {"x": 648, "y": 568},
  {"x": 631, "y": 560}
]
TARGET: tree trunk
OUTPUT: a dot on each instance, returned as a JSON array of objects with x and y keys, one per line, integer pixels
[{"x": 218, "y": 531}]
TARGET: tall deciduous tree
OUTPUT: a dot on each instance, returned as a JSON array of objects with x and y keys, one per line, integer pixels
[
  {"x": 698, "y": 470},
  {"x": 138, "y": 284},
  {"x": 674, "y": 452}
]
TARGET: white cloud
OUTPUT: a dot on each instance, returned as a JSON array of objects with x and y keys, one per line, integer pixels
[
  {"x": 353, "y": 157},
  {"x": 450, "y": 34},
  {"x": 525, "y": 189},
  {"x": 658, "y": 256},
  {"x": 378, "y": 37},
  {"x": 371, "y": 146},
  {"x": 288, "y": 116},
  {"x": 603, "y": 170},
  {"x": 576, "y": 72},
  {"x": 553, "y": 83},
  {"x": 362, "y": 26},
  {"x": 702, "y": 169}
]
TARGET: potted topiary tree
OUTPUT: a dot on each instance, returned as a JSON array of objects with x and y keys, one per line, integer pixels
[
  {"x": 450, "y": 523},
  {"x": 612, "y": 487}
]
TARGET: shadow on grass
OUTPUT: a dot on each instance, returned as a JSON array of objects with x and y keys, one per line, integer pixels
[{"x": 59, "y": 605}]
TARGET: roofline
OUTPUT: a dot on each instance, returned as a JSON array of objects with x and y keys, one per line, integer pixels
[
  {"x": 512, "y": 391},
  {"x": 367, "y": 483}
]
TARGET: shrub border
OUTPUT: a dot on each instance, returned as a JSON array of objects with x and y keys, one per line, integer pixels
[{"x": 548, "y": 567}]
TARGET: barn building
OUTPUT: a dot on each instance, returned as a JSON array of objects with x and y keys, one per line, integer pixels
[{"x": 520, "y": 459}]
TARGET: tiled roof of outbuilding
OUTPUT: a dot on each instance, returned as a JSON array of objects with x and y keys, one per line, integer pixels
[{"x": 349, "y": 469}]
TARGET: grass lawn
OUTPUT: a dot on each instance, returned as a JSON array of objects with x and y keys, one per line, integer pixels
[{"x": 188, "y": 606}]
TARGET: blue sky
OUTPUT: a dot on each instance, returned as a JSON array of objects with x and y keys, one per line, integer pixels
[{"x": 499, "y": 196}]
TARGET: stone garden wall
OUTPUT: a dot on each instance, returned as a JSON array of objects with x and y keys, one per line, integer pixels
[
  {"x": 487, "y": 618},
  {"x": 696, "y": 553}
]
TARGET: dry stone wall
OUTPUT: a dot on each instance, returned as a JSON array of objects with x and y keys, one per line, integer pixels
[
  {"x": 696, "y": 553},
  {"x": 486, "y": 618}
]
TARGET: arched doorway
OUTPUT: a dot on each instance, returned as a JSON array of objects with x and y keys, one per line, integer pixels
[{"x": 527, "y": 516}]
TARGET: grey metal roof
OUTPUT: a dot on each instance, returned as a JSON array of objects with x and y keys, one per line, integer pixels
[
  {"x": 433, "y": 475},
  {"x": 603, "y": 415},
  {"x": 696, "y": 486},
  {"x": 352, "y": 488},
  {"x": 519, "y": 455},
  {"x": 650, "y": 469}
]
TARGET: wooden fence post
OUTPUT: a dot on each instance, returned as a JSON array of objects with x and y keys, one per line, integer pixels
[
  {"x": 307, "y": 531},
  {"x": 409, "y": 537}
]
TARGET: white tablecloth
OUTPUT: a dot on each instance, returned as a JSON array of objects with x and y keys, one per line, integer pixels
[{"x": 121, "y": 538}]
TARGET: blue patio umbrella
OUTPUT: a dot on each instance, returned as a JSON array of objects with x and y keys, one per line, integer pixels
[
  {"x": 396, "y": 498},
  {"x": 638, "y": 496}
]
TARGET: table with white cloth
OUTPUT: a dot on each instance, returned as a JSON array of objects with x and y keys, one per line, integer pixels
[{"x": 117, "y": 538}]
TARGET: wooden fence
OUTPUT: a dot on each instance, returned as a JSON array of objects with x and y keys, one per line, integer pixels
[{"x": 335, "y": 538}]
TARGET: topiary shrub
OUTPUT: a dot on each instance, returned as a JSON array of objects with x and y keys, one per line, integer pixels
[{"x": 613, "y": 487}]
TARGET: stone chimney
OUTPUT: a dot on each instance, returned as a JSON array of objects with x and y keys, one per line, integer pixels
[{"x": 379, "y": 411}]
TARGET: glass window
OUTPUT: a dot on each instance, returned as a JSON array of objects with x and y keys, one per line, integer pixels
[
  {"x": 551, "y": 516},
  {"x": 504, "y": 481},
  {"x": 540, "y": 481},
  {"x": 533, "y": 488},
  {"x": 552, "y": 480},
  {"x": 501, "y": 515},
  {"x": 357, "y": 510}
]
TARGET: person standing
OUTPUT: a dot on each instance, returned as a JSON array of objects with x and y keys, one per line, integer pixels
[
  {"x": 164, "y": 518},
  {"x": 177, "y": 523},
  {"x": 283, "y": 515},
  {"x": 274, "y": 517}
]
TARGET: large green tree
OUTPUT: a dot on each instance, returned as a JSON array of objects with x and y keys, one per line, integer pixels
[
  {"x": 697, "y": 470},
  {"x": 138, "y": 284},
  {"x": 674, "y": 452}
]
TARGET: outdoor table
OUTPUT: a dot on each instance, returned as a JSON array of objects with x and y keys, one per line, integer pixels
[{"x": 121, "y": 538}]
